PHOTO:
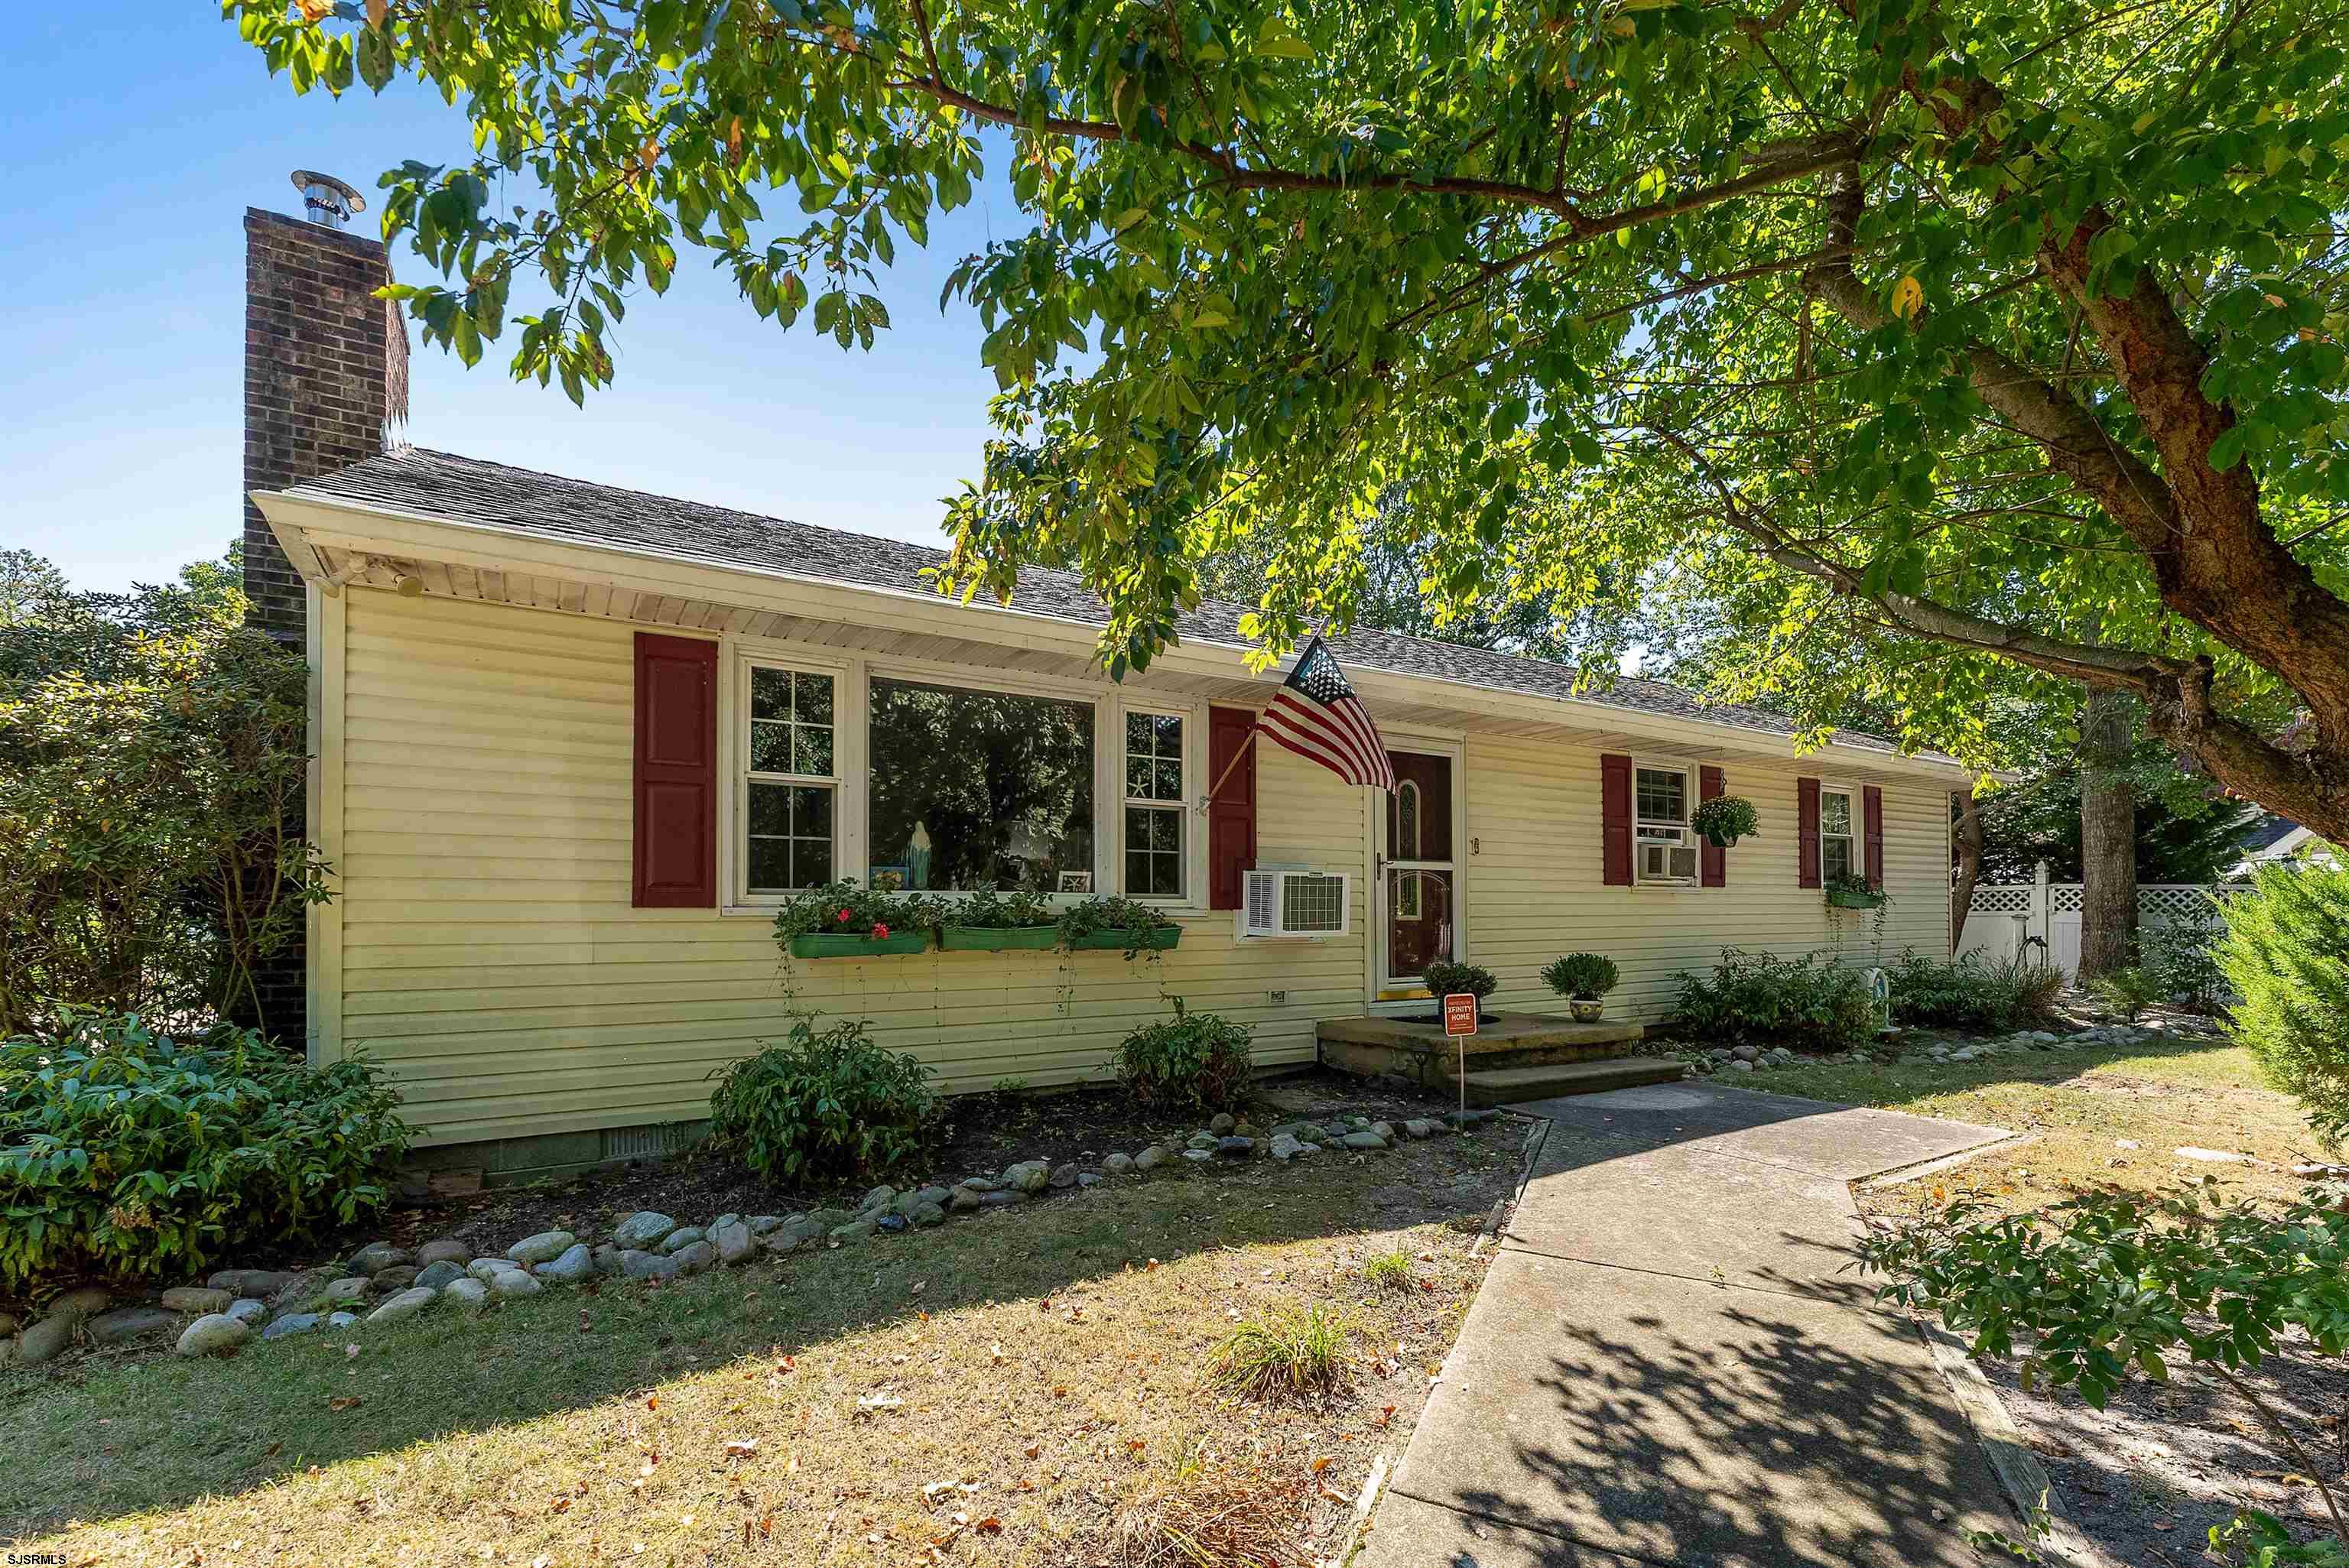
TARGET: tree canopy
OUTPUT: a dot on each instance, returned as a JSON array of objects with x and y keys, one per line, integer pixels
[{"x": 1987, "y": 333}]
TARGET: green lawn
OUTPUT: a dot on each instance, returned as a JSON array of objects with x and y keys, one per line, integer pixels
[
  {"x": 1035, "y": 1373},
  {"x": 2079, "y": 1106}
]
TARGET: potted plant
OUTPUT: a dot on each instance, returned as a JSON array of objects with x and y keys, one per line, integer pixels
[
  {"x": 993, "y": 921},
  {"x": 1584, "y": 979},
  {"x": 1850, "y": 892},
  {"x": 1725, "y": 820},
  {"x": 1444, "y": 978},
  {"x": 1101, "y": 924},
  {"x": 843, "y": 920}
]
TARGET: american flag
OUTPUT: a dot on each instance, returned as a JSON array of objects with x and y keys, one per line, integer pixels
[{"x": 1316, "y": 716}]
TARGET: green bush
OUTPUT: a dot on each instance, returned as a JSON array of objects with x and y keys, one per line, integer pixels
[
  {"x": 1445, "y": 979},
  {"x": 2286, "y": 954},
  {"x": 1585, "y": 976},
  {"x": 826, "y": 1106},
  {"x": 1965, "y": 993},
  {"x": 2184, "y": 959},
  {"x": 1759, "y": 996},
  {"x": 1192, "y": 1061},
  {"x": 2125, "y": 992},
  {"x": 126, "y": 1152}
]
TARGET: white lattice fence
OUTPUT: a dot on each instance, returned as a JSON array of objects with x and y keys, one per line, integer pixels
[{"x": 2041, "y": 919}]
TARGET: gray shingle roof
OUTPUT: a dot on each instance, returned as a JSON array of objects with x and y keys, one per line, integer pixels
[{"x": 469, "y": 489}]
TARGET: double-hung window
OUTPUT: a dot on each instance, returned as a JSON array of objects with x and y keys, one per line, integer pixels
[
  {"x": 1838, "y": 849},
  {"x": 1155, "y": 813},
  {"x": 791, "y": 780},
  {"x": 1666, "y": 847}
]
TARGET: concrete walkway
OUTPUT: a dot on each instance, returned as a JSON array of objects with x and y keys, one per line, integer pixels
[{"x": 1669, "y": 1362}]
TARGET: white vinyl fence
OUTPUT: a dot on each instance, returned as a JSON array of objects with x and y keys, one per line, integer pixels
[{"x": 2041, "y": 920}]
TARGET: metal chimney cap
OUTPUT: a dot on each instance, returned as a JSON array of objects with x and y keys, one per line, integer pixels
[{"x": 329, "y": 200}]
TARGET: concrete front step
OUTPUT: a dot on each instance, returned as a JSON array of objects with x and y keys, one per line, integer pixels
[
  {"x": 1508, "y": 1086},
  {"x": 1405, "y": 1047}
]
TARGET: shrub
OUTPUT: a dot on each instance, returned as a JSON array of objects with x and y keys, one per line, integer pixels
[
  {"x": 1805, "y": 1000},
  {"x": 126, "y": 1152},
  {"x": 152, "y": 752},
  {"x": 2183, "y": 958},
  {"x": 2125, "y": 992},
  {"x": 1287, "y": 1353},
  {"x": 1445, "y": 979},
  {"x": 2286, "y": 954},
  {"x": 825, "y": 1105},
  {"x": 1585, "y": 976},
  {"x": 2109, "y": 1288},
  {"x": 1192, "y": 1061},
  {"x": 1965, "y": 993}
]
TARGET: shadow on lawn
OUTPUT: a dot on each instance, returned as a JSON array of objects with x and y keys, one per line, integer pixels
[{"x": 111, "y": 1437}]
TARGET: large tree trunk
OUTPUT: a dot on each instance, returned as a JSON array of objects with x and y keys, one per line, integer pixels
[
  {"x": 2107, "y": 836},
  {"x": 1968, "y": 842}
]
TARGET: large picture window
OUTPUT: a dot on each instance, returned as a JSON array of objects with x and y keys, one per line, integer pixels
[
  {"x": 791, "y": 781},
  {"x": 1153, "y": 805},
  {"x": 973, "y": 788}
]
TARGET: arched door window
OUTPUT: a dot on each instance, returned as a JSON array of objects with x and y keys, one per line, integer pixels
[{"x": 1406, "y": 846}]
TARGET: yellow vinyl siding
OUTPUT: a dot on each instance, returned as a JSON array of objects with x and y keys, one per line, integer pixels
[
  {"x": 491, "y": 959},
  {"x": 1534, "y": 890}
]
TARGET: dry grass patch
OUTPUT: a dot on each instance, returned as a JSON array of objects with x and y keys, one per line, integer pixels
[
  {"x": 1031, "y": 1386},
  {"x": 1290, "y": 1354},
  {"x": 2084, "y": 1108}
]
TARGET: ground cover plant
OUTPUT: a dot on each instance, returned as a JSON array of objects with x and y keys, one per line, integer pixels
[
  {"x": 1044, "y": 1373},
  {"x": 126, "y": 1152}
]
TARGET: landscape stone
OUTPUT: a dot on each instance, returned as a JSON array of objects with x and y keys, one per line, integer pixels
[
  {"x": 1202, "y": 1140},
  {"x": 131, "y": 1322},
  {"x": 1299, "y": 1129},
  {"x": 379, "y": 1255},
  {"x": 544, "y": 1247},
  {"x": 677, "y": 1240},
  {"x": 250, "y": 1282},
  {"x": 1285, "y": 1146},
  {"x": 645, "y": 1265},
  {"x": 1221, "y": 1122},
  {"x": 1364, "y": 1140},
  {"x": 446, "y": 1250},
  {"x": 1385, "y": 1129},
  {"x": 1028, "y": 1176},
  {"x": 1150, "y": 1158},
  {"x": 690, "y": 1260},
  {"x": 248, "y": 1309},
  {"x": 399, "y": 1276},
  {"x": 46, "y": 1340},
  {"x": 761, "y": 1224},
  {"x": 641, "y": 1230},
  {"x": 981, "y": 1183},
  {"x": 355, "y": 1288},
  {"x": 408, "y": 1303},
  {"x": 516, "y": 1283},
  {"x": 438, "y": 1273},
  {"x": 1064, "y": 1177},
  {"x": 1198, "y": 1156},
  {"x": 295, "y": 1289},
  {"x": 214, "y": 1334},
  {"x": 607, "y": 1259},
  {"x": 964, "y": 1200},
  {"x": 795, "y": 1231},
  {"x": 891, "y": 1223},
  {"x": 295, "y": 1323},
  {"x": 575, "y": 1262},
  {"x": 1000, "y": 1200},
  {"x": 734, "y": 1243},
  {"x": 1235, "y": 1147},
  {"x": 468, "y": 1292},
  {"x": 1118, "y": 1164},
  {"x": 1741, "y": 1067},
  {"x": 724, "y": 1220},
  {"x": 1244, "y": 1128},
  {"x": 487, "y": 1269},
  {"x": 930, "y": 1214},
  {"x": 342, "y": 1319},
  {"x": 196, "y": 1300},
  {"x": 878, "y": 1198},
  {"x": 1419, "y": 1127},
  {"x": 933, "y": 1194}
]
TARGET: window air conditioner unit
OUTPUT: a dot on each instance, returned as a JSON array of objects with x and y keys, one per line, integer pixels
[
  {"x": 1667, "y": 861},
  {"x": 1295, "y": 903}
]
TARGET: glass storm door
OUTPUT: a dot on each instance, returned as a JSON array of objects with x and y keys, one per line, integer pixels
[{"x": 1418, "y": 876}]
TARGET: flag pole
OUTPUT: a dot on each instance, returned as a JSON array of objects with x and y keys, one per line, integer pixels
[{"x": 1238, "y": 756}]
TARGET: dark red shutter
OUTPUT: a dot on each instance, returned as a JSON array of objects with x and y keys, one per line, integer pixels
[
  {"x": 1615, "y": 821},
  {"x": 676, "y": 773},
  {"x": 1712, "y": 861},
  {"x": 1231, "y": 814},
  {"x": 1807, "y": 833},
  {"x": 1875, "y": 798}
]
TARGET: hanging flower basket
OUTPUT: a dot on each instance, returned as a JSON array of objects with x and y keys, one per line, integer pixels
[
  {"x": 858, "y": 945},
  {"x": 1725, "y": 820},
  {"x": 998, "y": 938}
]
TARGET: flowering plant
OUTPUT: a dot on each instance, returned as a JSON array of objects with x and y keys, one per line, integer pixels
[{"x": 844, "y": 908}]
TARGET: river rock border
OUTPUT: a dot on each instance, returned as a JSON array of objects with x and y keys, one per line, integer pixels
[{"x": 384, "y": 1284}]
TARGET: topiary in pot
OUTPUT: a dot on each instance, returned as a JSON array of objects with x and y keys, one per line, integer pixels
[
  {"x": 1583, "y": 978},
  {"x": 1447, "y": 979}
]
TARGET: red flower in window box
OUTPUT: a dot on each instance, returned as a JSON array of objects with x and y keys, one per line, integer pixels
[
  {"x": 842, "y": 917},
  {"x": 881, "y": 932}
]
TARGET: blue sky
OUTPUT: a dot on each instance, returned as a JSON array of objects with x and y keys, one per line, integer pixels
[{"x": 138, "y": 134}]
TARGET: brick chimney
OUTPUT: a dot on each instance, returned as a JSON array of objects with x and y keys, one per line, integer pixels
[
  {"x": 325, "y": 379},
  {"x": 325, "y": 385}
]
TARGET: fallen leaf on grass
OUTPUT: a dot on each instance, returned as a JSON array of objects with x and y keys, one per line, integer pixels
[
  {"x": 342, "y": 1402},
  {"x": 741, "y": 1448}
]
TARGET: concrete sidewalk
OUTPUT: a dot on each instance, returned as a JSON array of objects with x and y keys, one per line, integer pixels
[{"x": 1669, "y": 1362}]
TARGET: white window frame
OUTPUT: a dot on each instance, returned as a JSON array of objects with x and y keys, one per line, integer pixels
[
  {"x": 738, "y": 757},
  {"x": 1192, "y": 867},
  {"x": 1853, "y": 835},
  {"x": 1688, "y": 836},
  {"x": 853, "y": 674}
]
